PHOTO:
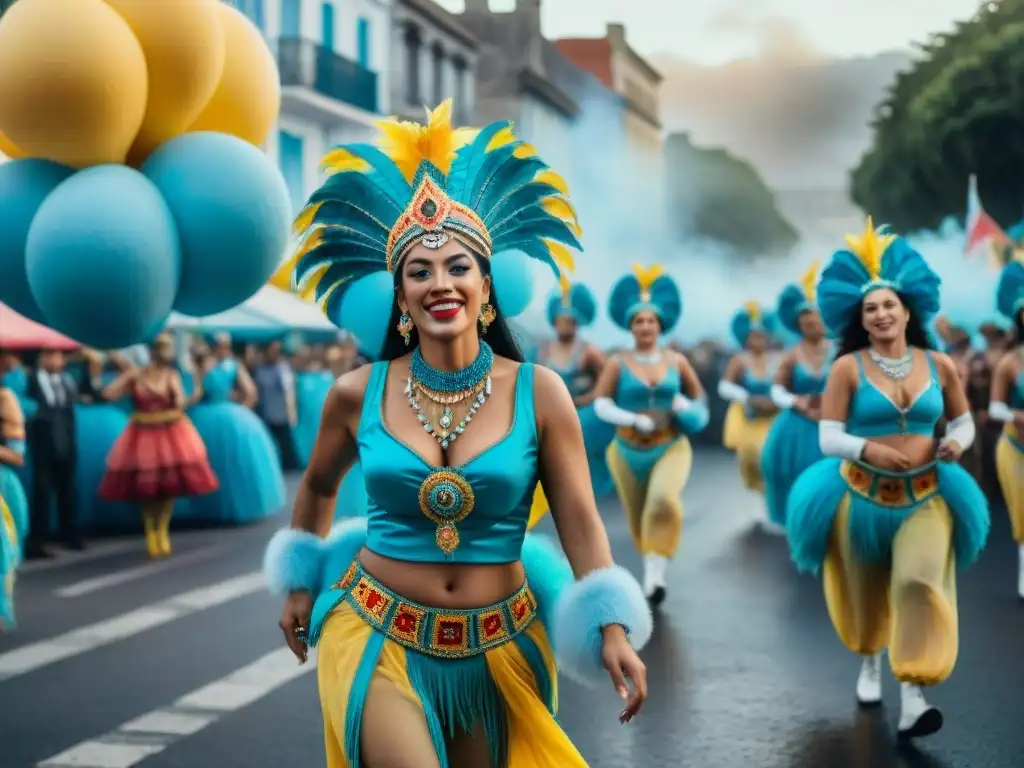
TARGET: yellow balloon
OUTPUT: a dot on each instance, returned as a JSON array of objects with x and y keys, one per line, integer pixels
[
  {"x": 248, "y": 97},
  {"x": 72, "y": 81},
  {"x": 184, "y": 47},
  {"x": 8, "y": 148}
]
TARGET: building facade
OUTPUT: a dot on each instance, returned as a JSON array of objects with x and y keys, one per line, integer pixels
[
  {"x": 433, "y": 58},
  {"x": 335, "y": 78}
]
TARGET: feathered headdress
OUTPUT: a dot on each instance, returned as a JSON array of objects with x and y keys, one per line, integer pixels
[
  {"x": 748, "y": 319},
  {"x": 647, "y": 289},
  {"x": 875, "y": 259},
  {"x": 427, "y": 184},
  {"x": 1010, "y": 290},
  {"x": 799, "y": 297},
  {"x": 574, "y": 300}
]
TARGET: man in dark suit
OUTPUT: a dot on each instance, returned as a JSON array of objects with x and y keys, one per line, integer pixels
[{"x": 54, "y": 454}]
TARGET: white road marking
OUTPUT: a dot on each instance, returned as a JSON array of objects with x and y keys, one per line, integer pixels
[
  {"x": 137, "y": 572},
  {"x": 33, "y": 656},
  {"x": 152, "y": 733},
  {"x": 63, "y": 559}
]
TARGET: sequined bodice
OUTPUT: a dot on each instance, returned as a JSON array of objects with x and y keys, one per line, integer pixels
[
  {"x": 634, "y": 394},
  {"x": 872, "y": 413},
  {"x": 498, "y": 482}
]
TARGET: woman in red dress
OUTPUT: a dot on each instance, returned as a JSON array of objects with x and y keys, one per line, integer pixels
[{"x": 160, "y": 456}]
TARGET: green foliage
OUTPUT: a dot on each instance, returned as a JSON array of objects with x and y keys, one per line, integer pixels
[
  {"x": 958, "y": 110},
  {"x": 723, "y": 198}
]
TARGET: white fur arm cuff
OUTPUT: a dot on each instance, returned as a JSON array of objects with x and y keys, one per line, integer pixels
[
  {"x": 834, "y": 441},
  {"x": 782, "y": 397},
  {"x": 293, "y": 562},
  {"x": 961, "y": 431},
  {"x": 608, "y": 412},
  {"x": 732, "y": 392},
  {"x": 999, "y": 412}
]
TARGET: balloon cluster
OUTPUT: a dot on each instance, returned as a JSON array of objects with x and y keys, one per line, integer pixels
[{"x": 136, "y": 185}]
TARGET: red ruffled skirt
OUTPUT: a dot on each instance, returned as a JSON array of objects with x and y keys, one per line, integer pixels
[{"x": 158, "y": 461}]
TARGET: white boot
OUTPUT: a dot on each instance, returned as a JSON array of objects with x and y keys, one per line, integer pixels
[
  {"x": 1020, "y": 572},
  {"x": 869, "y": 681},
  {"x": 654, "y": 578},
  {"x": 917, "y": 716}
]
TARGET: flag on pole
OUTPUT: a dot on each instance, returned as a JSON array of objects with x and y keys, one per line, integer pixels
[{"x": 981, "y": 229}]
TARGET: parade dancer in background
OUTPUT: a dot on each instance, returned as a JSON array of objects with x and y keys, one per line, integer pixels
[
  {"x": 240, "y": 448},
  {"x": 890, "y": 515},
  {"x": 654, "y": 398},
  {"x": 433, "y": 612},
  {"x": 159, "y": 457},
  {"x": 746, "y": 385},
  {"x": 13, "y": 502},
  {"x": 792, "y": 442},
  {"x": 579, "y": 364},
  {"x": 1007, "y": 407}
]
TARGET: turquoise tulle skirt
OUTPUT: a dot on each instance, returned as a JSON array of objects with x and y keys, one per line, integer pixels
[
  {"x": 12, "y": 491},
  {"x": 790, "y": 448},
  {"x": 10, "y": 557},
  {"x": 884, "y": 501},
  {"x": 243, "y": 456},
  {"x": 597, "y": 436},
  {"x": 97, "y": 428}
]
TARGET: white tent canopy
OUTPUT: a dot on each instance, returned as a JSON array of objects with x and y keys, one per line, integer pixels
[{"x": 270, "y": 308}]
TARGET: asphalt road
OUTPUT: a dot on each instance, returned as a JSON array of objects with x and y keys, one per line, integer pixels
[{"x": 121, "y": 662}]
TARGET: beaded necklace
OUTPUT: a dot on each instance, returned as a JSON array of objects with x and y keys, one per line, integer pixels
[{"x": 448, "y": 388}]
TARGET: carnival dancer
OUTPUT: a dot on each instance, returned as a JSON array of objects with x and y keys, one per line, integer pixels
[
  {"x": 431, "y": 629},
  {"x": 1007, "y": 406},
  {"x": 579, "y": 364},
  {"x": 890, "y": 515},
  {"x": 159, "y": 457},
  {"x": 792, "y": 442},
  {"x": 655, "y": 399},
  {"x": 746, "y": 385},
  {"x": 13, "y": 502},
  {"x": 240, "y": 448}
]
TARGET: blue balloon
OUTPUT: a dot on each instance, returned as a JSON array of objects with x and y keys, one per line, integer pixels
[
  {"x": 102, "y": 257},
  {"x": 512, "y": 274},
  {"x": 234, "y": 216},
  {"x": 365, "y": 311},
  {"x": 24, "y": 184}
]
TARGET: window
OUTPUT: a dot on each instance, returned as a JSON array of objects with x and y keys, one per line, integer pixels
[
  {"x": 412, "y": 65},
  {"x": 290, "y": 150},
  {"x": 363, "y": 42},
  {"x": 327, "y": 25},
  {"x": 461, "y": 98},
  {"x": 253, "y": 9},
  {"x": 291, "y": 18},
  {"x": 439, "y": 89}
]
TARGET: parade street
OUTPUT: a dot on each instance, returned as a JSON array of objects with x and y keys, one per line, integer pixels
[{"x": 119, "y": 661}]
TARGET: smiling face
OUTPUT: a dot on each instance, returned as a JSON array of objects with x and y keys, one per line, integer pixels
[
  {"x": 443, "y": 289},
  {"x": 884, "y": 316},
  {"x": 811, "y": 327},
  {"x": 646, "y": 327}
]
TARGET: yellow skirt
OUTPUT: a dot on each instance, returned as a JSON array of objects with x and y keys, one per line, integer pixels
[
  {"x": 1010, "y": 469},
  {"x": 506, "y": 693},
  {"x": 733, "y": 426},
  {"x": 746, "y": 437}
]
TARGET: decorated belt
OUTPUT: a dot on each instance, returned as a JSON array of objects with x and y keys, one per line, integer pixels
[
  {"x": 1013, "y": 435},
  {"x": 892, "y": 489},
  {"x": 156, "y": 418},
  {"x": 660, "y": 436},
  {"x": 442, "y": 632}
]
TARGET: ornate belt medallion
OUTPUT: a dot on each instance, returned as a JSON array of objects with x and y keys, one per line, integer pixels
[{"x": 446, "y": 499}]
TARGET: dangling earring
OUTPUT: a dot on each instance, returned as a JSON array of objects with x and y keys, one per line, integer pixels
[
  {"x": 405, "y": 327},
  {"x": 487, "y": 316}
]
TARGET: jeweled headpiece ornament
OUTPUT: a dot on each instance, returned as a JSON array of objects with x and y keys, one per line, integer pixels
[
  {"x": 875, "y": 259},
  {"x": 429, "y": 184},
  {"x": 799, "y": 297},
  {"x": 646, "y": 289}
]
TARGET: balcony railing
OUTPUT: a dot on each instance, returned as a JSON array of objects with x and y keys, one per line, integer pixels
[{"x": 307, "y": 64}]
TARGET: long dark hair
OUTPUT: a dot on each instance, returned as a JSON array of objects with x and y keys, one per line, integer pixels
[
  {"x": 499, "y": 334},
  {"x": 855, "y": 337}
]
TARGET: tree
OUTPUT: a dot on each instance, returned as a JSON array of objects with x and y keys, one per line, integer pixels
[{"x": 959, "y": 110}]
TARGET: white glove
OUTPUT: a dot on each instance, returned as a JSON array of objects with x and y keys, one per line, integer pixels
[
  {"x": 644, "y": 424},
  {"x": 680, "y": 403}
]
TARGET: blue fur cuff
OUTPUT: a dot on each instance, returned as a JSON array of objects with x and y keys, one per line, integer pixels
[
  {"x": 693, "y": 419},
  {"x": 607, "y": 596},
  {"x": 293, "y": 561}
]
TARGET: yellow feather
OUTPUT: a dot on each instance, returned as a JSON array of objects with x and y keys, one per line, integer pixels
[
  {"x": 646, "y": 276},
  {"x": 525, "y": 150},
  {"x": 561, "y": 208},
  {"x": 408, "y": 144},
  {"x": 501, "y": 138},
  {"x": 869, "y": 247},
  {"x": 809, "y": 280},
  {"x": 562, "y": 255},
  {"x": 563, "y": 281},
  {"x": 340, "y": 160},
  {"x": 305, "y": 218},
  {"x": 753, "y": 309},
  {"x": 555, "y": 180}
]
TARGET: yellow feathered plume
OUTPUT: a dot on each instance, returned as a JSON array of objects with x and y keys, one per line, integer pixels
[
  {"x": 809, "y": 281},
  {"x": 869, "y": 247},
  {"x": 753, "y": 309},
  {"x": 646, "y": 276}
]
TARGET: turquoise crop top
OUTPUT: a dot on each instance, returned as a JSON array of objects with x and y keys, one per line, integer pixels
[
  {"x": 576, "y": 381},
  {"x": 873, "y": 413},
  {"x": 502, "y": 479},
  {"x": 634, "y": 394},
  {"x": 803, "y": 381},
  {"x": 755, "y": 385}
]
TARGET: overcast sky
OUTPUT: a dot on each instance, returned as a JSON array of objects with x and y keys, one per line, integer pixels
[{"x": 716, "y": 31}]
